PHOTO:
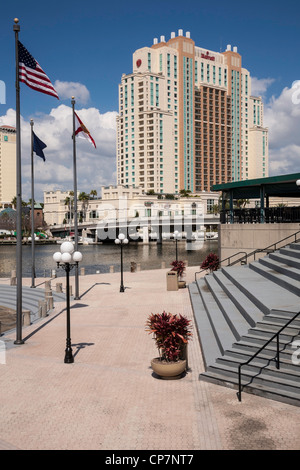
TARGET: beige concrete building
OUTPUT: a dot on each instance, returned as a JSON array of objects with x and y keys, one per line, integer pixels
[
  {"x": 187, "y": 119},
  {"x": 124, "y": 203},
  {"x": 256, "y": 160},
  {"x": 7, "y": 164}
]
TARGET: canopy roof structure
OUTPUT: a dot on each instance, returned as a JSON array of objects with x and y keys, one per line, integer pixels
[
  {"x": 276, "y": 186},
  {"x": 260, "y": 188}
]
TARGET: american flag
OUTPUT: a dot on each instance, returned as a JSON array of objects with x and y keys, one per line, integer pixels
[{"x": 31, "y": 73}]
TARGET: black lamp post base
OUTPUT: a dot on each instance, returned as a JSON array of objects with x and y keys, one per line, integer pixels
[
  {"x": 69, "y": 359},
  {"x": 122, "y": 289},
  {"x": 19, "y": 341}
]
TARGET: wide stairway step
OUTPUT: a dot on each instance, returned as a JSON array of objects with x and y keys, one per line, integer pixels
[
  {"x": 30, "y": 298},
  {"x": 278, "y": 273},
  {"x": 223, "y": 332},
  {"x": 291, "y": 251},
  {"x": 264, "y": 386},
  {"x": 246, "y": 307},
  {"x": 238, "y": 311},
  {"x": 264, "y": 293},
  {"x": 243, "y": 351},
  {"x": 209, "y": 345},
  {"x": 289, "y": 261},
  {"x": 237, "y": 323}
]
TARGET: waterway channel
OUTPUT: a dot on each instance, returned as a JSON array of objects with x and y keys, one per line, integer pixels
[{"x": 99, "y": 258}]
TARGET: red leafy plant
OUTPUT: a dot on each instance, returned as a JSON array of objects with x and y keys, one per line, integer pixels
[
  {"x": 171, "y": 333},
  {"x": 211, "y": 262},
  {"x": 178, "y": 266}
]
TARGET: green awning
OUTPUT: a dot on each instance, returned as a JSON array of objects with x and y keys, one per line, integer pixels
[{"x": 276, "y": 186}]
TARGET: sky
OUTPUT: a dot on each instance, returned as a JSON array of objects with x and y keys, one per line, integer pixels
[{"x": 85, "y": 47}]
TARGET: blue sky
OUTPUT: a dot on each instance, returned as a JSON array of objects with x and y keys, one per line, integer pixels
[{"x": 90, "y": 44}]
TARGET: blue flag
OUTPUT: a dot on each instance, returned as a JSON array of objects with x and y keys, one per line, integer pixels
[{"x": 38, "y": 146}]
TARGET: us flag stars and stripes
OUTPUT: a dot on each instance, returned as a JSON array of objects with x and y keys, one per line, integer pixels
[{"x": 31, "y": 73}]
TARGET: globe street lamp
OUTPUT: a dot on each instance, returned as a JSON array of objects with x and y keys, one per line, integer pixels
[
  {"x": 121, "y": 240},
  {"x": 64, "y": 259}
]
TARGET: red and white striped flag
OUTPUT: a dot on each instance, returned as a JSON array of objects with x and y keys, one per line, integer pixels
[
  {"x": 31, "y": 73},
  {"x": 81, "y": 128}
]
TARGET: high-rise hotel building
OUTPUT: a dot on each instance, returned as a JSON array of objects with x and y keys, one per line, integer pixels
[
  {"x": 187, "y": 119},
  {"x": 7, "y": 164}
]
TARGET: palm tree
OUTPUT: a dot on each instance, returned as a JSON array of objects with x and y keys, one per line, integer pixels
[
  {"x": 29, "y": 202},
  {"x": 185, "y": 192},
  {"x": 93, "y": 193},
  {"x": 241, "y": 203},
  {"x": 69, "y": 198},
  {"x": 69, "y": 203},
  {"x": 14, "y": 202},
  {"x": 84, "y": 198}
]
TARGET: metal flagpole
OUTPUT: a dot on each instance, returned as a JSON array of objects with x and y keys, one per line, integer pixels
[
  {"x": 32, "y": 212},
  {"x": 75, "y": 201},
  {"x": 18, "y": 340}
]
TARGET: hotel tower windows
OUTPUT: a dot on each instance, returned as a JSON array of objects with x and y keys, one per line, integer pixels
[{"x": 193, "y": 121}]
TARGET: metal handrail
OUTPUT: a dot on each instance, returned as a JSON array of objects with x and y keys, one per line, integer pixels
[
  {"x": 253, "y": 253},
  {"x": 276, "y": 335}
]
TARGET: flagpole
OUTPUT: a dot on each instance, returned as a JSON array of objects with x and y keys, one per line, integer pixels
[
  {"x": 75, "y": 201},
  {"x": 19, "y": 339},
  {"x": 32, "y": 212}
]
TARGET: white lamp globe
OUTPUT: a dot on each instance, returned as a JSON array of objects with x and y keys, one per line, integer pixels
[
  {"x": 121, "y": 236},
  {"x": 67, "y": 247},
  {"x": 57, "y": 257},
  {"x": 117, "y": 241},
  {"x": 298, "y": 182},
  {"x": 66, "y": 257},
  {"x": 77, "y": 256},
  {"x": 125, "y": 241}
]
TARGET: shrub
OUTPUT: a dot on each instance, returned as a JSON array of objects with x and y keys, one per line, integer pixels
[
  {"x": 171, "y": 333},
  {"x": 211, "y": 262},
  {"x": 178, "y": 266}
]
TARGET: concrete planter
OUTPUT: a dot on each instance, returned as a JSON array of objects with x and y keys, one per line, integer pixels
[{"x": 168, "y": 370}]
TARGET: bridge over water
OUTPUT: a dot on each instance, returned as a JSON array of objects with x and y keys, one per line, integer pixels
[{"x": 141, "y": 228}]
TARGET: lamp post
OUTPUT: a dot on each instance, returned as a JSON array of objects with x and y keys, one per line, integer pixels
[
  {"x": 64, "y": 259},
  {"x": 121, "y": 240}
]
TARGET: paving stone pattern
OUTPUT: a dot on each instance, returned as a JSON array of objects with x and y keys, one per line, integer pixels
[{"x": 109, "y": 399}]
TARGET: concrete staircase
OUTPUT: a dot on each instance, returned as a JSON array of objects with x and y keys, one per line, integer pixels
[
  {"x": 237, "y": 310},
  {"x": 30, "y": 298}
]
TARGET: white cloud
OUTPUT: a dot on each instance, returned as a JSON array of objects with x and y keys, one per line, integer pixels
[
  {"x": 95, "y": 167},
  {"x": 66, "y": 90},
  {"x": 285, "y": 160},
  {"x": 282, "y": 117},
  {"x": 259, "y": 86}
]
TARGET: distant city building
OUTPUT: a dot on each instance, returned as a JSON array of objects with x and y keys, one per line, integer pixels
[
  {"x": 7, "y": 164},
  {"x": 187, "y": 119},
  {"x": 123, "y": 202}
]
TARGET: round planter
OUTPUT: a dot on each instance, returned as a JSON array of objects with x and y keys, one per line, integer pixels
[
  {"x": 168, "y": 370},
  {"x": 181, "y": 284}
]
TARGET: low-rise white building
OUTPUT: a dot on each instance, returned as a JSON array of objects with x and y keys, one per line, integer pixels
[{"x": 124, "y": 203}]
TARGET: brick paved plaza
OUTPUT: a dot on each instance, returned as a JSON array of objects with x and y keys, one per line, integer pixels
[{"x": 109, "y": 399}]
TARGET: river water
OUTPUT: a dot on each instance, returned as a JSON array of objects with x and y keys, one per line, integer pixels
[{"x": 99, "y": 258}]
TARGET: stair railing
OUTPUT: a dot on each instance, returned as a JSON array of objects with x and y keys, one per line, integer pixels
[
  {"x": 243, "y": 259},
  {"x": 277, "y": 357}
]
